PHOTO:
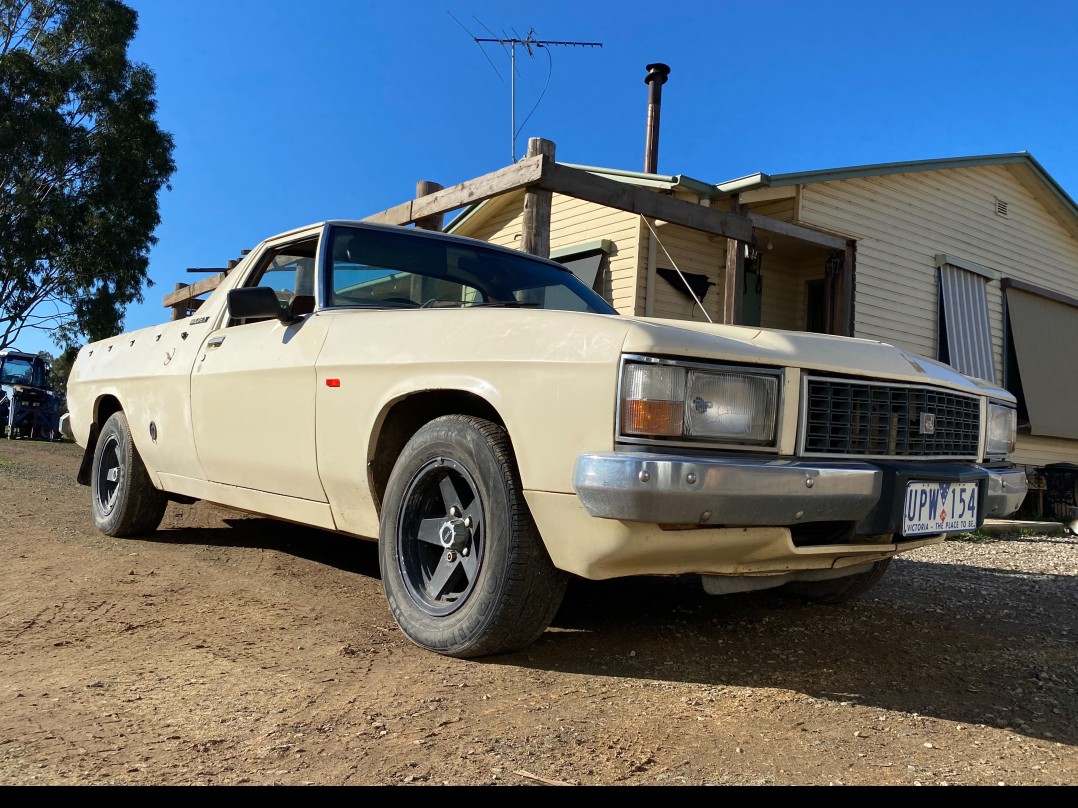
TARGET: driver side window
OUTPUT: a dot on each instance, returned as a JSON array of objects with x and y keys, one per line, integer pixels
[{"x": 290, "y": 272}]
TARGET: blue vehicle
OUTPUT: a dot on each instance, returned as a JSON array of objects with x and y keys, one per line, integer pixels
[{"x": 28, "y": 407}]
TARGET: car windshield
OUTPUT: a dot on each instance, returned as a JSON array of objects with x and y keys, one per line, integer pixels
[
  {"x": 388, "y": 269},
  {"x": 17, "y": 370}
]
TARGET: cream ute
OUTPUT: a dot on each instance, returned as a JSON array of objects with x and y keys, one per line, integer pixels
[{"x": 497, "y": 427}]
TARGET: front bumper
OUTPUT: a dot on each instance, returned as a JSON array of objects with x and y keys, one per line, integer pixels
[{"x": 742, "y": 491}]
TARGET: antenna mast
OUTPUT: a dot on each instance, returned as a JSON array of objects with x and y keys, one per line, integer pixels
[{"x": 527, "y": 43}]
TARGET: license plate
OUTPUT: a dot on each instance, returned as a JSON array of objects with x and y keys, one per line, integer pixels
[{"x": 939, "y": 508}]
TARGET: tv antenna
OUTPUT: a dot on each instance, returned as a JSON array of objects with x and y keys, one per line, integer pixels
[{"x": 509, "y": 45}]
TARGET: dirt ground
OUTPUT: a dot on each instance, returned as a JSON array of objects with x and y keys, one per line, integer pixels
[{"x": 229, "y": 649}]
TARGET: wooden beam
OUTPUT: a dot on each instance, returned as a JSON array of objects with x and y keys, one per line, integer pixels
[
  {"x": 434, "y": 221},
  {"x": 540, "y": 170},
  {"x": 535, "y": 224},
  {"x": 184, "y": 293},
  {"x": 512, "y": 178},
  {"x": 584, "y": 185},
  {"x": 800, "y": 232}
]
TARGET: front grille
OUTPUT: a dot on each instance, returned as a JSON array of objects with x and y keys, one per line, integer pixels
[{"x": 865, "y": 419}]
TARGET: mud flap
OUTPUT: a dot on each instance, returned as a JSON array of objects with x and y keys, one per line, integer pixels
[{"x": 83, "y": 477}]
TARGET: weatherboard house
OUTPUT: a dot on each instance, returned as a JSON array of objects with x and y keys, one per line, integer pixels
[{"x": 972, "y": 261}]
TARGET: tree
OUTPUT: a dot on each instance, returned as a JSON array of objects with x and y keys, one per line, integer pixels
[
  {"x": 59, "y": 368},
  {"x": 82, "y": 161}
]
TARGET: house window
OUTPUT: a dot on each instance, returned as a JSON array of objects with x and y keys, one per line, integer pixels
[
  {"x": 965, "y": 336},
  {"x": 1041, "y": 334}
]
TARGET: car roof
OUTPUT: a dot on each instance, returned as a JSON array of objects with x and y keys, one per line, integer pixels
[{"x": 415, "y": 231}]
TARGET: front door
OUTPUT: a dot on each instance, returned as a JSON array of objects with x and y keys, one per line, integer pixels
[{"x": 253, "y": 389}]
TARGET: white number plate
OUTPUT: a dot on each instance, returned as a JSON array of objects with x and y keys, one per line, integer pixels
[{"x": 939, "y": 508}]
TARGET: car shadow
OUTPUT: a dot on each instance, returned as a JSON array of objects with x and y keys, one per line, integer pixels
[
  {"x": 346, "y": 553},
  {"x": 932, "y": 639}
]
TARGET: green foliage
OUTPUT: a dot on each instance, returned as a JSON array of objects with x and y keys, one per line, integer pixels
[
  {"x": 59, "y": 368},
  {"x": 81, "y": 163}
]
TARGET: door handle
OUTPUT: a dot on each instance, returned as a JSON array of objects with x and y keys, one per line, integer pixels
[{"x": 215, "y": 342}]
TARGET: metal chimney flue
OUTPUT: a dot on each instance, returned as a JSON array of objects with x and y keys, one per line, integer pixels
[{"x": 655, "y": 79}]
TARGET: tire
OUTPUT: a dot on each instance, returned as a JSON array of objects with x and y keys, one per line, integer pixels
[
  {"x": 124, "y": 501},
  {"x": 836, "y": 590},
  {"x": 463, "y": 566}
]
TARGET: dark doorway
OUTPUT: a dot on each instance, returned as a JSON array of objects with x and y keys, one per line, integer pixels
[{"x": 816, "y": 306}]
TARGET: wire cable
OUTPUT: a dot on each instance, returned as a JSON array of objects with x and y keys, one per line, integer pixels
[{"x": 681, "y": 274}]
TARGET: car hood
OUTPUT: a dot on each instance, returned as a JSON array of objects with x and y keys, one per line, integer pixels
[{"x": 815, "y": 352}]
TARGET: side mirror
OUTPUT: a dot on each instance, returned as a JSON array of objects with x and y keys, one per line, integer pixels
[
  {"x": 256, "y": 302},
  {"x": 300, "y": 305}
]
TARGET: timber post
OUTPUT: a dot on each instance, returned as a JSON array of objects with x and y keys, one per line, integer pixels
[
  {"x": 848, "y": 268},
  {"x": 734, "y": 278},
  {"x": 434, "y": 220},
  {"x": 535, "y": 235},
  {"x": 179, "y": 310}
]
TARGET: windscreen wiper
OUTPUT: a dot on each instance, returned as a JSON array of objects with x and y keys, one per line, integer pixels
[{"x": 436, "y": 303}]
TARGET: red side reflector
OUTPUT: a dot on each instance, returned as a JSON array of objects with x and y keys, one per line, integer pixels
[{"x": 333, "y": 382}]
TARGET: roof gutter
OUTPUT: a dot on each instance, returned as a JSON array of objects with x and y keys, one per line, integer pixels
[{"x": 747, "y": 183}]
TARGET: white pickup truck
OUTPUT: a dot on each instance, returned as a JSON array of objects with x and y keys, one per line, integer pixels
[{"x": 497, "y": 427}]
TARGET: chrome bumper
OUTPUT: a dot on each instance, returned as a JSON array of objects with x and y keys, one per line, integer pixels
[
  {"x": 676, "y": 489},
  {"x": 1006, "y": 490}
]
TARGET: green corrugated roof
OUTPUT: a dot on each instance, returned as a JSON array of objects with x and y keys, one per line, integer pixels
[
  {"x": 911, "y": 166},
  {"x": 878, "y": 169}
]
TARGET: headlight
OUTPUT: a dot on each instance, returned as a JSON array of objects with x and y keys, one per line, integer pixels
[
  {"x": 1002, "y": 430},
  {"x": 679, "y": 401}
]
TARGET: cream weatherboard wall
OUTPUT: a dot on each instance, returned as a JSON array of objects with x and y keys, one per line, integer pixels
[
  {"x": 691, "y": 251},
  {"x": 902, "y": 221},
  {"x": 496, "y": 221}
]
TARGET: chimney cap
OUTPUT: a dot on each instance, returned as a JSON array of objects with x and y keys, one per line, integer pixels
[{"x": 657, "y": 71}]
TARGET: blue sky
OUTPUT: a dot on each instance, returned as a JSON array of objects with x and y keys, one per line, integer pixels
[{"x": 287, "y": 112}]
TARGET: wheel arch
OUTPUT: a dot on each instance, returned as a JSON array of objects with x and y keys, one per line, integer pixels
[
  {"x": 104, "y": 407},
  {"x": 402, "y": 418}
]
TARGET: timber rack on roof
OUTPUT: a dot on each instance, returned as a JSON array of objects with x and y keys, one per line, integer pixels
[
  {"x": 184, "y": 300},
  {"x": 540, "y": 177}
]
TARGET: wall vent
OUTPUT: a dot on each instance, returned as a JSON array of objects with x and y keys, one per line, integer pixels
[{"x": 1001, "y": 207}]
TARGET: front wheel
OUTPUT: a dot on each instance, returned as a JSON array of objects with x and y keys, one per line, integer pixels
[
  {"x": 463, "y": 566},
  {"x": 123, "y": 499}
]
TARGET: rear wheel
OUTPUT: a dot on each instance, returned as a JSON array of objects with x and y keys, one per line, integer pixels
[
  {"x": 836, "y": 590},
  {"x": 123, "y": 499},
  {"x": 463, "y": 566}
]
